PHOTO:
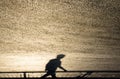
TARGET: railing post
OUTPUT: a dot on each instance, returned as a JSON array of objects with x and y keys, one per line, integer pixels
[{"x": 24, "y": 74}]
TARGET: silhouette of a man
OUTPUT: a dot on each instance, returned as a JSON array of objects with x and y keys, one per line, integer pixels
[{"x": 52, "y": 66}]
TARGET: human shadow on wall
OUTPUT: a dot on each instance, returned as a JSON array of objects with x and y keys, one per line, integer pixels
[{"x": 52, "y": 66}]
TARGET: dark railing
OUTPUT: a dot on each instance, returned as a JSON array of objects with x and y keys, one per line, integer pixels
[{"x": 86, "y": 73}]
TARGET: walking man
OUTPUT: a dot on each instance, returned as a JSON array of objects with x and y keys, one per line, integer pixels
[{"x": 52, "y": 66}]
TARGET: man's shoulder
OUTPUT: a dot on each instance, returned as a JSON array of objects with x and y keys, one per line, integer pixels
[{"x": 54, "y": 60}]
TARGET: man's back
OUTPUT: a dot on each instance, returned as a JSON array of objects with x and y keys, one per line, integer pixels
[{"x": 53, "y": 64}]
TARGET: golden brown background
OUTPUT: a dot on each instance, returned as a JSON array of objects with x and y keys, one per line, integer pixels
[{"x": 34, "y": 31}]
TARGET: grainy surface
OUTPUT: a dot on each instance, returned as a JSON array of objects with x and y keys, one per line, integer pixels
[{"x": 34, "y": 31}]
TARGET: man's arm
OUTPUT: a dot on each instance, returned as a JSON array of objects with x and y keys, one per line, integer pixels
[{"x": 62, "y": 68}]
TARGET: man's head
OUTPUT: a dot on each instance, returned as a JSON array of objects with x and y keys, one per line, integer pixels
[{"x": 60, "y": 56}]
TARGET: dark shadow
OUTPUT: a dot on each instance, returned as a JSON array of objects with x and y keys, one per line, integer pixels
[
  {"x": 86, "y": 74},
  {"x": 52, "y": 66}
]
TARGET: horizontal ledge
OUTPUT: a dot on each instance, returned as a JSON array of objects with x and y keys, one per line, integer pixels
[
  {"x": 92, "y": 71},
  {"x": 64, "y": 78}
]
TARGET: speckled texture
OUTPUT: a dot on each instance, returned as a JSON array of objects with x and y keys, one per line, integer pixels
[{"x": 86, "y": 30}]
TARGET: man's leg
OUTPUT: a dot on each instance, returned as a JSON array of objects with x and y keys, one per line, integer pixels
[
  {"x": 53, "y": 76},
  {"x": 44, "y": 76}
]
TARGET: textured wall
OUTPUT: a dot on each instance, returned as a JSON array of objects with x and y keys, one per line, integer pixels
[{"x": 67, "y": 26}]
